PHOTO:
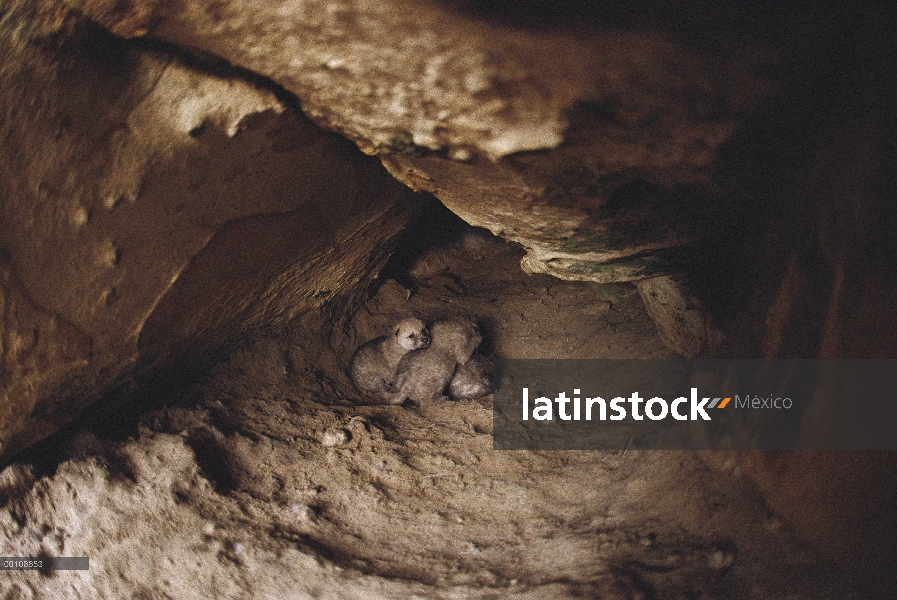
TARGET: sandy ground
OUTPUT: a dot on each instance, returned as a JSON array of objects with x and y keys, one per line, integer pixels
[{"x": 266, "y": 480}]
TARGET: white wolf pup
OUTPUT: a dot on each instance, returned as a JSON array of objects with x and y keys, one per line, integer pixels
[
  {"x": 422, "y": 375},
  {"x": 373, "y": 366}
]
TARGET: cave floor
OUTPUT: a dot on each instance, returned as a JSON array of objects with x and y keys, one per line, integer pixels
[{"x": 266, "y": 481}]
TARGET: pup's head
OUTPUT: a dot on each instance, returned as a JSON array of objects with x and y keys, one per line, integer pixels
[{"x": 411, "y": 334}]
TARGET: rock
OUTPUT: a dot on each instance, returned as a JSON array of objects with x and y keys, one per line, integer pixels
[
  {"x": 15, "y": 480},
  {"x": 335, "y": 437},
  {"x": 152, "y": 211},
  {"x": 682, "y": 323},
  {"x": 592, "y": 143},
  {"x": 611, "y": 148},
  {"x": 599, "y": 142}
]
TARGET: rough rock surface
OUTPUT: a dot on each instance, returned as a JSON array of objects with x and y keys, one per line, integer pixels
[
  {"x": 684, "y": 326},
  {"x": 610, "y": 132},
  {"x": 611, "y": 166},
  {"x": 251, "y": 486},
  {"x": 150, "y": 210},
  {"x": 609, "y": 141}
]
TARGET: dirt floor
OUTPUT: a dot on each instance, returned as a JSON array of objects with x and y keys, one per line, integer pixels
[{"x": 266, "y": 480}]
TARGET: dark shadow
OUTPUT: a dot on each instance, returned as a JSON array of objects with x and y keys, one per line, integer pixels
[
  {"x": 116, "y": 415},
  {"x": 433, "y": 227}
]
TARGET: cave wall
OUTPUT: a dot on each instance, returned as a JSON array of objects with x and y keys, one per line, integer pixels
[
  {"x": 590, "y": 143},
  {"x": 152, "y": 211},
  {"x": 150, "y": 203},
  {"x": 816, "y": 280}
]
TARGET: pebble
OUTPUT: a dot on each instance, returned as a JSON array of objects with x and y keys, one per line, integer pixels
[{"x": 335, "y": 437}]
